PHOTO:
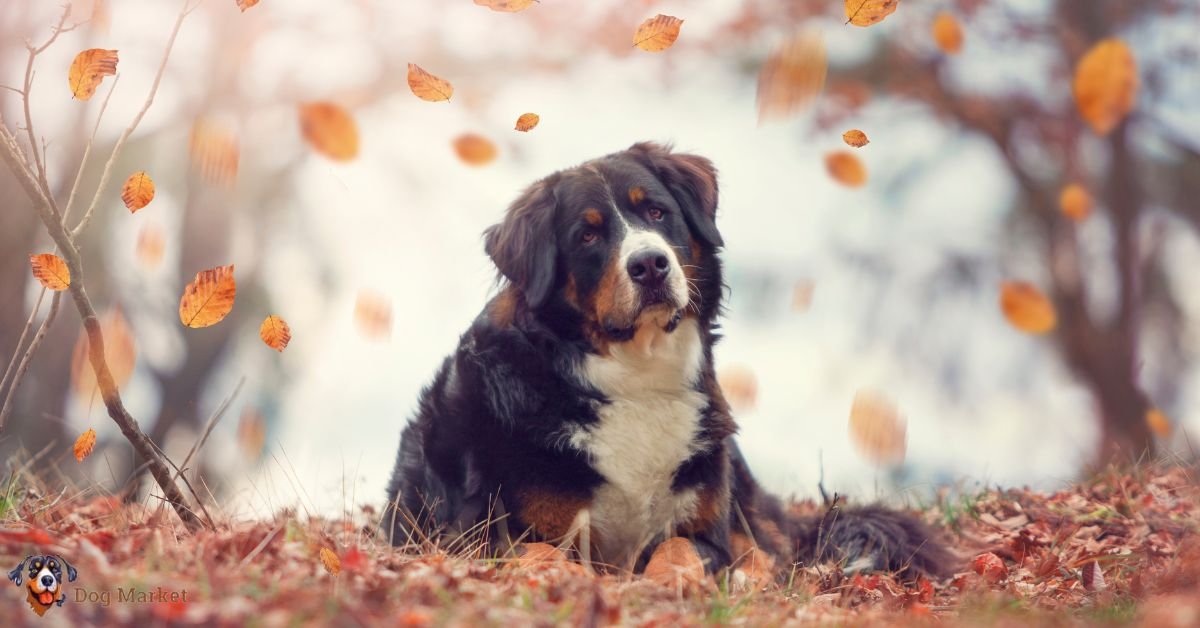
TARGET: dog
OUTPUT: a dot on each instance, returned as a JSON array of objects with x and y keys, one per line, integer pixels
[
  {"x": 45, "y": 586},
  {"x": 581, "y": 406}
]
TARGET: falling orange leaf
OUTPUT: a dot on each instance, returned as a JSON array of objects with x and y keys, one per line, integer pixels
[
  {"x": 877, "y": 430},
  {"x": 138, "y": 191},
  {"x": 275, "y": 332},
  {"x": 246, "y": 4},
  {"x": 209, "y": 298},
  {"x": 120, "y": 353},
  {"x": 947, "y": 33},
  {"x": 1026, "y": 308},
  {"x": 330, "y": 130},
  {"x": 332, "y": 563},
  {"x": 1075, "y": 202},
  {"x": 802, "y": 295},
  {"x": 855, "y": 138},
  {"x": 85, "y": 444},
  {"x": 657, "y": 33},
  {"x": 150, "y": 245},
  {"x": 527, "y": 121},
  {"x": 214, "y": 152},
  {"x": 845, "y": 168},
  {"x": 739, "y": 386},
  {"x": 373, "y": 315},
  {"x": 427, "y": 86},
  {"x": 251, "y": 434},
  {"x": 1158, "y": 422},
  {"x": 505, "y": 6},
  {"x": 791, "y": 77},
  {"x": 51, "y": 271},
  {"x": 475, "y": 150},
  {"x": 1106, "y": 85},
  {"x": 88, "y": 69},
  {"x": 868, "y": 12}
]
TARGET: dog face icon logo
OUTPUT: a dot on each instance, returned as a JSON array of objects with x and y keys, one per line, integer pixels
[{"x": 43, "y": 580}]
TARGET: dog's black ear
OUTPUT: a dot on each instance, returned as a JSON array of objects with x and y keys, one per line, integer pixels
[
  {"x": 16, "y": 575},
  {"x": 523, "y": 245},
  {"x": 692, "y": 180},
  {"x": 71, "y": 573}
]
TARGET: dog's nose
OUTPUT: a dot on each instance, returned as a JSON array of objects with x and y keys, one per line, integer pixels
[
  {"x": 47, "y": 581},
  {"x": 648, "y": 268}
]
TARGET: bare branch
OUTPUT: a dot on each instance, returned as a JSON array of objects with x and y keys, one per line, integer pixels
[
  {"x": 8, "y": 370},
  {"x": 19, "y": 374},
  {"x": 87, "y": 150},
  {"x": 39, "y": 160}
]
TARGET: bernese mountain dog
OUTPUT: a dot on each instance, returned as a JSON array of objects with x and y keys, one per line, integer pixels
[{"x": 582, "y": 407}]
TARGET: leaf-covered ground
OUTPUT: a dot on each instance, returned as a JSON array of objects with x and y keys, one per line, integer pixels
[{"x": 1118, "y": 549}]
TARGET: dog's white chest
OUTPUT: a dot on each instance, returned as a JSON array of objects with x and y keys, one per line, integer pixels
[{"x": 646, "y": 431}]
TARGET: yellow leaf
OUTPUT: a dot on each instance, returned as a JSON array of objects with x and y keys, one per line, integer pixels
[
  {"x": 846, "y": 169},
  {"x": 275, "y": 332},
  {"x": 1075, "y": 202},
  {"x": 1026, "y": 308},
  {"x": 120, "y": 353},
  {"x": 1106, "y": 85},
  {"x": 427, "y": 86},
  {"x": 85, "y": 444},
  {"x": 209, "y": 298},
  {"x": 855, "y": 138},
  {"x": 330, "y": 130},
  {"x": 251, "y": 434},
  {"x": 657, "y": 33},
  {"x": 868, "y": 12},
  {"x": 332, "y": 563},
  {"x": 214, "y": 153},
  {"x": 246, "y": 4},
  {"x": 88, "y": 69},
  {"x": 150, "y": 245},
  {"x": 505, "y": 6},
  {"x": 373, "y": 315},
  {"x": 739, "y": 386},
  {"x": 877, "y": 430},
  {"x": 527, "y": 121},
  {"x": 475, "y": 150},
  {"x": 791, "y": 77},
  {"x": 1159, "y": 423},
  {"x": 947, "y": 33},
  {"x": 138, "y": 191},
  {"x": 51, "y": 271}
]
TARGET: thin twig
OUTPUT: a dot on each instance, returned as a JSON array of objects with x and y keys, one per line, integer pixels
[
  {"x": 116, "y": 152},
  {"x": 39, "y": 161},
  {"x": 212, "y": 422},
  {"x": 19, "y": 374},
  {"x": 8, "y": 370},
  {"x": 87, "y": 150}
]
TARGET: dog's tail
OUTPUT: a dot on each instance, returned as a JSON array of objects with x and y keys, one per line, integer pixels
[{"x": 863, "y": 538}]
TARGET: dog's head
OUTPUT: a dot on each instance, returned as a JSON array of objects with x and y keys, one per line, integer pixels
[
  {"x": 624, "y": 241},
  {"x": 43, "y": 577}
]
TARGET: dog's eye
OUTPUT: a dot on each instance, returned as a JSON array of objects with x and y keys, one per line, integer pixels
[
  {"x": 588, "y": 236},
  {"x": 656, "y": 213}
]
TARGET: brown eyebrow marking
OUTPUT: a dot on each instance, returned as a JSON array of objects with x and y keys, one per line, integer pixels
[
  {"x": 636, "y": 195},
  {"x": 593, "y": 217}
]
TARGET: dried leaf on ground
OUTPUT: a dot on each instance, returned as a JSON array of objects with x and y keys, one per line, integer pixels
[
  {"x": 675, "y": 563},
  {"x": 51, "y": 271},
  {"x": 88, "y": 69},
  {"x": 657, "y": 33},
  {"x": 331, "y": 561},
  {"x": 209, "y": 298}
]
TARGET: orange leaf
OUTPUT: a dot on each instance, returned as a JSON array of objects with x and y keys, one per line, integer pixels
[
  {"x": 947, "y": 33},
  {"x": 527, "y": 121},
  {"x": 990, "y": 566},
  {"x": 475, "y": 150},
  {"x": 868, "y": 12},
  {"x": 427, "y": 86},
  {"x": 674, "y": 562},
  {"x": 330, "y": 130},
  {"x": 855, "y": 138},
  {"x": 150, "y": 244},
  {"x": 802, "y": 295},
  {"x": 373, "y": 315},
  {"x": 246, "y": 4},
  {"x": 1106, "y": 85},
  {"x": 657, "y": 33},
  {"x": 85, "y": 444},
  {"x": 1027, "y": 308},
  {"x": 877, "y": 430},
  {"x": 1159, "y": 423},
  {"x": 275, "y": 332},
  {"x": 846, "y": 169},
  {"x": 209, "y": 298},
  {"x": 120, "y": 353},
  {"x": 88, "y": 69},
  {"x": 51, "y": 271},
  {"x": 1075, "y": 202},
  {"x": 505, "y": 6},
  {"x": 251, "y": 433},
  {"x": 332, "y": 563},
  {"x": 791, "y": 77},
  {"x": 138, "y": 191},
  {"x": 214, "y": 153},
  {"x": 739, "y": 386}
]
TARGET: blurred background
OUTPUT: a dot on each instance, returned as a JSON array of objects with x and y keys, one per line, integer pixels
[{"x": 890, "y": 287}]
